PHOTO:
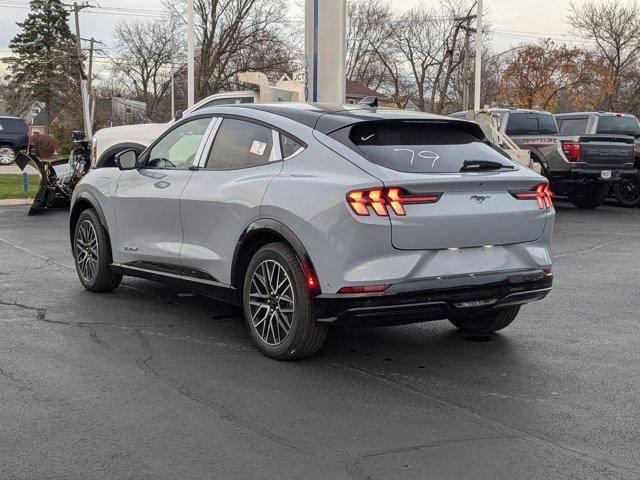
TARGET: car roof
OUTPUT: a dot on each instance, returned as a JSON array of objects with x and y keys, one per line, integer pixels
[
  {"x": 328, "y": 118},
  {"x": 601, "y": 114}
]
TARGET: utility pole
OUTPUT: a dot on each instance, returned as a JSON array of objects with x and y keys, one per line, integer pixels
[
  {"x": 478, "y": 76},
  {"x": 83, "y": 80},
  {"x": 173, "y": 93},
  {"x": 190, "y": 55},
  {"x": 466, "y": 81},
  {"x": 90, "y": 70}
]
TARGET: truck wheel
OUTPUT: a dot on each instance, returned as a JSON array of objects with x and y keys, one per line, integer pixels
[
  {"x": 277, "y": 305},
  {"x": 589, "y": 196},
  {"x": 627, "y": 192},
  {"x": 487, "y": 322},
  {"x": 7, "y": 155}
]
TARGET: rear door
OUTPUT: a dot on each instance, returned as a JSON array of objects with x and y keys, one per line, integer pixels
[
  {"x": 224, "y": 196},
  {"x": 475, "y": 207}
]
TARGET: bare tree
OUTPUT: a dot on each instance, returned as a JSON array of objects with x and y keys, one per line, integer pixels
[
  {"x": 613, "y": 26},
  {"x": 146, "y": 54},
  {"x": 237, "y": 35}
]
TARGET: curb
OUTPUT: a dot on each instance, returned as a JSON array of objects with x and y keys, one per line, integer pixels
[{"x": 16, "y": 201}]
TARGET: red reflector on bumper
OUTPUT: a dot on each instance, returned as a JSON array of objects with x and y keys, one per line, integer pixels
[{"x": 364, "y": 289}]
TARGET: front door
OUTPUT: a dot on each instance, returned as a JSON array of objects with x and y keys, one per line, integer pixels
[{"x": 147, "y": 200}]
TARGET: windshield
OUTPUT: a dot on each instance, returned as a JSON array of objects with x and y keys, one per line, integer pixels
[
  {"x": 619, "y": 125},
  {"x": 422, "y": 147}
]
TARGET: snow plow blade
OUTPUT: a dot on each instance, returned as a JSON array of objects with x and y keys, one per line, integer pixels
[{"x": 51, "y": 193}]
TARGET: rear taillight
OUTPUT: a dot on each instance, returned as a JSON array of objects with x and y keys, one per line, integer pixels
[
  {"x": 363, "y": 289},
  {"x": 381, "y": 200},
  {"x": 541, "y": 193},
  {"x": 571, "y": 150}
]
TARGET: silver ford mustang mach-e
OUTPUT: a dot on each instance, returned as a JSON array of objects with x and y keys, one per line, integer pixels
[{"x": 311, "y": 215}]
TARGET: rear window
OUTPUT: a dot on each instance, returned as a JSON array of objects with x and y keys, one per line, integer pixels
[
  {"x": 573, "y": 126},
  {"x": 618, "y": 125},
  {"x": 420, "y": 147},
  {"x": 531, "y": 124},
  {"x": 13, "y": 125}
]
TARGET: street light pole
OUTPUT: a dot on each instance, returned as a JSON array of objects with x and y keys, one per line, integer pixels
[
  {"x": 190, "y": 55},
  {"x": 478, "y": 77}
]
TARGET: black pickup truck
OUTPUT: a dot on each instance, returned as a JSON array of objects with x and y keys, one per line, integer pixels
[{"x": 603, "y": 124}]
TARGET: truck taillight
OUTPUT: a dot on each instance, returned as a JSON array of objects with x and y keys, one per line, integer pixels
[
  {"x": 380, "y": 200},
  {"x": 571, "y": 150},
  {"x": 541, "y": 193}
]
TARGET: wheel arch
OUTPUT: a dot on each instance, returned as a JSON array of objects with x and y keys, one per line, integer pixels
[
  {"x": 108, "y": 156},
  {"x": 255, "y": 236},
  {"x": 85, "y": 201}
]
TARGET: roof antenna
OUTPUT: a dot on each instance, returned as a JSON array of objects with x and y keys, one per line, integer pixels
[{"x": 371, "y": 101}]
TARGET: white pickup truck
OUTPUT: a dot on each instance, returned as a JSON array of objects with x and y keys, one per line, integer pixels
[{"x": 110, "y": 141}]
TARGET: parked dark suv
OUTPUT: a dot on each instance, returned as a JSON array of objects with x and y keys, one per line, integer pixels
[{"x": 14, "y": 136}]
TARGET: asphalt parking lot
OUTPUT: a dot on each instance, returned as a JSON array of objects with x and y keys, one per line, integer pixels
[{"x": 147, "y": 382}]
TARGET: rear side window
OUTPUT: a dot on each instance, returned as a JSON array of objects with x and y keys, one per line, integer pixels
[
  {"x": 241, "y": 144},
  {"x": 13, "y": 125},
  {"x": 618, "y": 125},
  {"x": 289, "y": 146},
  {"x": 531, "y": 124},
  {"x": 420, "y": 147},
  {"x": 573, "y": 126}
]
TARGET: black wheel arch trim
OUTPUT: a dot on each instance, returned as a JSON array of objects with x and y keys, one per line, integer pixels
[
  {"x": 91, "y": 200},
  {"x": 274, "y": 227}
]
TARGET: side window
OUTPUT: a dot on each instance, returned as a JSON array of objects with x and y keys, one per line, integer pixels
[
  {"x": 177, "y": 150},
  {"x": 289, "y": 146},
  {"x": 241, "y": 144}
]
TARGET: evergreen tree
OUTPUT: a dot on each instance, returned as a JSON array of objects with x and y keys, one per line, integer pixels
[{"x": 46, "y": 64}]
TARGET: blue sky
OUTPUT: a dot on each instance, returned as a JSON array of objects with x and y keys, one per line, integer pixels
[{"x": 514, "y": 21}]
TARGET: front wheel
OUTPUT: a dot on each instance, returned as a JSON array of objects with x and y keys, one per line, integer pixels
[
  {"x": 487, "y": 322},
  {"x": 7, "y": 155},
  {"x": 277, "y": 305},
  {"x": 627, "y": 192},
  {"x": 589, "y": 196},
  {"x": 91, "y": 254}
]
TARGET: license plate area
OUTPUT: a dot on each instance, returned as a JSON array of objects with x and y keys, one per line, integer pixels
[{"x": 605, "y": 174}]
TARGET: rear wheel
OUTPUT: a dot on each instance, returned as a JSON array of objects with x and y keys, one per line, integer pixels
[
  {"x": 277, "y": 305},
  {"x": 589, "y": 196},
  {"x": 7, "y": 155},
  {"x": 487, "y": 322},
  {"x": 91, "y": 253},
  {"x": 627, "y": 192}
]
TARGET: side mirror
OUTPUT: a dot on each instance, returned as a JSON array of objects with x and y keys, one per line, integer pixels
[
  {"x": 127, "y": 160},
  {"x": 179, "y": 114}
]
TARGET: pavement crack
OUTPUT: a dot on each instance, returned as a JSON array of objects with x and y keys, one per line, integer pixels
[
  {"x": 353, "y": 463},
  {"x": 486, "y": 421},
  {"x": 591, "y": 249},
  {"x": 144, "y": 363},
  {"x": 40, "y": 312}
]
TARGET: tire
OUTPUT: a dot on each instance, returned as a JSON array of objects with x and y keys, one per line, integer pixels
[
  {"x": 7, "y": 155},
  {"x": 269, "y": 314},
  {"x": 92, "y": 264},
  {"x": 589, "y": 196},
  {"x": 487, "y": 322},
  {"x": 627, "y": 192}
]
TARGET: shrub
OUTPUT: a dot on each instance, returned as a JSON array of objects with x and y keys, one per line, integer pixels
[
  {"x": 45, "y": 145},
  {"x": 62, "y": 134}
]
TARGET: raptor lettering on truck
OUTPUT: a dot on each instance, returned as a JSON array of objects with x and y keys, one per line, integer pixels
[{"x": 539, "y": 141}]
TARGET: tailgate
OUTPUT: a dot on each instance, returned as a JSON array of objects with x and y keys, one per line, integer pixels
[{"x": 607, "y": 151}]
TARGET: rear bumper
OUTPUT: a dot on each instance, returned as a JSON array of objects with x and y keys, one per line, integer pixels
[
  {"x": 580, "y": 175},
  {"x": 434, "y": 298}
]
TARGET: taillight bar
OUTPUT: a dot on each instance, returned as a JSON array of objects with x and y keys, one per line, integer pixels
[
  {"x": 541, "y": 193},
  {"x": 379, "y": 200}
]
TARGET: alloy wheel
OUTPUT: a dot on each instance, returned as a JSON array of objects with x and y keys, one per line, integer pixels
[
  {"x": 7, "y": 155},
  {"x": 630, "y": 190},
  {"x": 87, "y": 250},
  {"x": 271, "y": 299}
]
